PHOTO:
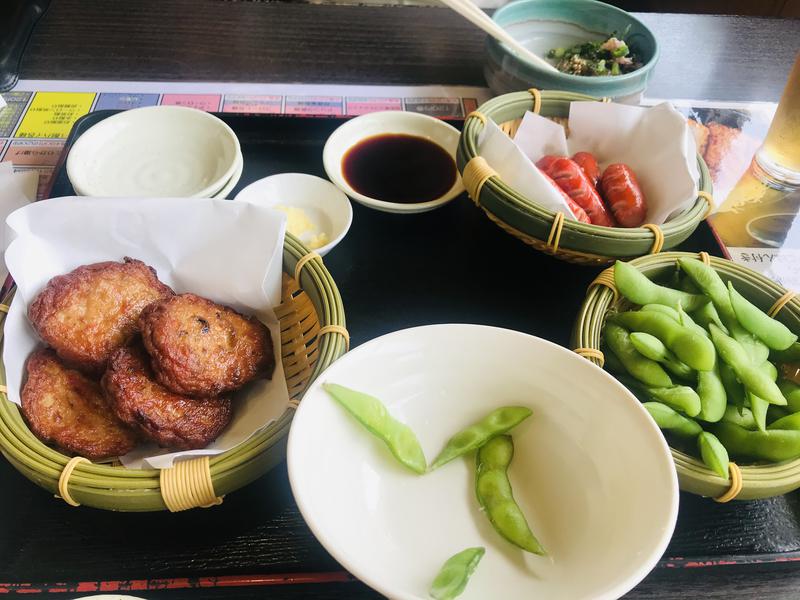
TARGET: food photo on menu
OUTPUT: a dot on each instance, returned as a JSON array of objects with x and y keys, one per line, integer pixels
[{"x": 420, "y": 300}]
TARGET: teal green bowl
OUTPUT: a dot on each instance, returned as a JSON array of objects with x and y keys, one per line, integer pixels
[{"x": 544, "y": 24}]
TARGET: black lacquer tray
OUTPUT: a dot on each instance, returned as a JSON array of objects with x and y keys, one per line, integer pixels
[{"x": 393, "y": 271}]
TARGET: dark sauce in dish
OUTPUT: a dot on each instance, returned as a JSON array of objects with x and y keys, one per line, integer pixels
[{"x": 402, "y": 168}]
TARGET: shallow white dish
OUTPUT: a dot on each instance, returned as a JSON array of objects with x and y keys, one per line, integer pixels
[
  {"x": 378, "y": 123},
  {"x": 231, "y": 183},
  {"x": 165, "y": 151},
  {"x": 325, "y": 205},
  {"x": 591, "y": 470}
]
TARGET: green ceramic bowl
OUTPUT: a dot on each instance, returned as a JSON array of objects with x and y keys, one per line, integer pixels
[{"x": 544, "y": 24}]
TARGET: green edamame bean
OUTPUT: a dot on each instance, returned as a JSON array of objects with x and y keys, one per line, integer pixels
[
  {"x": 495, "y": 423},
  {"x": 664, "y": 310},
  {"x": 734, "y": 389},
  {"x": 713, "y": 398},
  {"x": 709, "y": 281},
  {"x": 612, "y": 362},
  {"x": 636, "y": 287},
  {"x": 672, "y": 421},
  {"x": 653, "y": 348},
  {"x": 790, "y": 391},
  {"x": 645, "y": 370},
  {"x": 713, "y": 454},
  {"x": 774, "y": 445},
  {"x": 772, "y": 332},
  {"x": 687, "y": 321},
  {"x": 372, "y": 414},
  {"x": 790, "y": 421},
  {"x": 496, "y": 497},
  {"x": 743, "y": 417},
  {"x": 455, "y": 573},
  {"x": 685, "y": 284},
  {"x": 690, "y": 347},
  {"x": 679, "y": 397},
  {"x": 708, "y": 314},
  {"x": 759, "y": 408},
  {"x": 753, "y": 378}
]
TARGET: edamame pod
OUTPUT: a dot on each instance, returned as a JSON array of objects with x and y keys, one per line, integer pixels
[
  {"x": 372, "y": 414},
  {"x": 759, "y": 408},
  {"x": 664, "y": 310},
  {"x": 753, "y": 378},
  {"x": 713, "y": 398},
  {"x": 791, "y": 421},
  {"x": 636, "y": 287},
  {"x": 496, "y": 497},
  {"x": 653, "y": 348},
  {"x": 713, "y": 454},
  {"x": 770, "y": 331},
  {"x": 645, "y": 370},
  {"x": 687, "y": 321},
  {"x": 679, "y": 397},
  {"x": 612, "y": 362},
  {"x": 776, "y": 412},
  {"x": 690, "y": 347},
  {"x": 455, "y": 573},
  {"x": 709, "y": 281},
  {"x": 708, "y": 314},
  {"x": 495, "y": 423},
  {"x": 734, "y": 389},
  {"x": 790, "y": 391},
  {"x": 672, "y": 421},
  {"x": 742, "y": 417},
  {"x": 774, "y": 445}
]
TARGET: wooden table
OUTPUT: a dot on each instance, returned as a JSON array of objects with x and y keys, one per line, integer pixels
[{"x": 259, "y": 530}]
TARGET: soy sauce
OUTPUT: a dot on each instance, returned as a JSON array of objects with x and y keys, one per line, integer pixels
[{"x": 399, "y": 168}]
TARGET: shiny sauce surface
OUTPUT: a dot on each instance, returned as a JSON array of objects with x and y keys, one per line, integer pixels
[{"x": 401, "y": 168}]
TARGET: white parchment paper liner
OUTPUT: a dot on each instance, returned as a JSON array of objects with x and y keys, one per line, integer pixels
[
  {"x": 229, "y": 252},
  {"x": 655, "y": 142}
]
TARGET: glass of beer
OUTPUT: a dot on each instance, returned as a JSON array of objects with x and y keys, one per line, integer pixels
[{"x": 778, "y": 160}]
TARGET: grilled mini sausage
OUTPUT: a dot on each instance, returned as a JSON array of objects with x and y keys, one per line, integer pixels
[
  {"x": 623, "y": 194},
  {"x": 570, "y": 178}
]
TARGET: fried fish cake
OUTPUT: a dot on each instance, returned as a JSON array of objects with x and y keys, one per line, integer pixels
[
  {"x": 66, "y": 408},
  {"x": 170, "y": 419},
  {"x": 200, "y": 348},
  {"x": 88, "y": 313}
]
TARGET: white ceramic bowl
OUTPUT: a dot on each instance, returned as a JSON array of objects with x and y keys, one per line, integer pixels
[
  {"x": 591, "y": 470},
  {"x": 324, "y": 204},
  {"x": 378, "y": 123},
  {"x": 167, "y": 151},
  {"x": 231, "y": 183}
]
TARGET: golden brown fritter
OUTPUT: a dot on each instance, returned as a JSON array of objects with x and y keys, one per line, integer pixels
[
  {"x": 64, "y": 407},
  {"x": 171, "y": 420},
  {"x": 200, "y": 348},
  {"x": 88, "y": 313}
]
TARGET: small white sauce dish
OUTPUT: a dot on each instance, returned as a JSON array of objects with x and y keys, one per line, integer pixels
[
  {"x": 166, "y": 151},
  {"x": 591, "y": 470},
  {"x": 323, "y": 203},
  {"x": 369, "y": 125}
]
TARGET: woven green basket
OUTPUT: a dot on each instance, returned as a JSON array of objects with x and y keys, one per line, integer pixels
[
  {"x": 307, "y": 305},
  {"x": 524, "y": 218},
  {"x": 758, "y": 480}
]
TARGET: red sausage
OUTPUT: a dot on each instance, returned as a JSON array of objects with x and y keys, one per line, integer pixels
[
  {"x": 547, "y": 161},
  {"x": 588, "y": 164},
  {"x": 623, "y": 194},
  {"x": 573, "y": 181},
  {"x": 579, "y": 213}
]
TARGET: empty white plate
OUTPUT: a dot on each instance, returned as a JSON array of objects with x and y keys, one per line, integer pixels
[
  {"x": 166, "y": 151},
  {"x": 591, "y": 470}
]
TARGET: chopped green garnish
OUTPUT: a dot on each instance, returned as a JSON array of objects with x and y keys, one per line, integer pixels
[{"x": 610, "y": 57}]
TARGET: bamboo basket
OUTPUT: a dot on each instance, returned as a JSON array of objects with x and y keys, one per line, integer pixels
[
  {"x": 762, "y": 480},
  {"x": 543, "y": 229},
  {"x": 313, "y": 336}
]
